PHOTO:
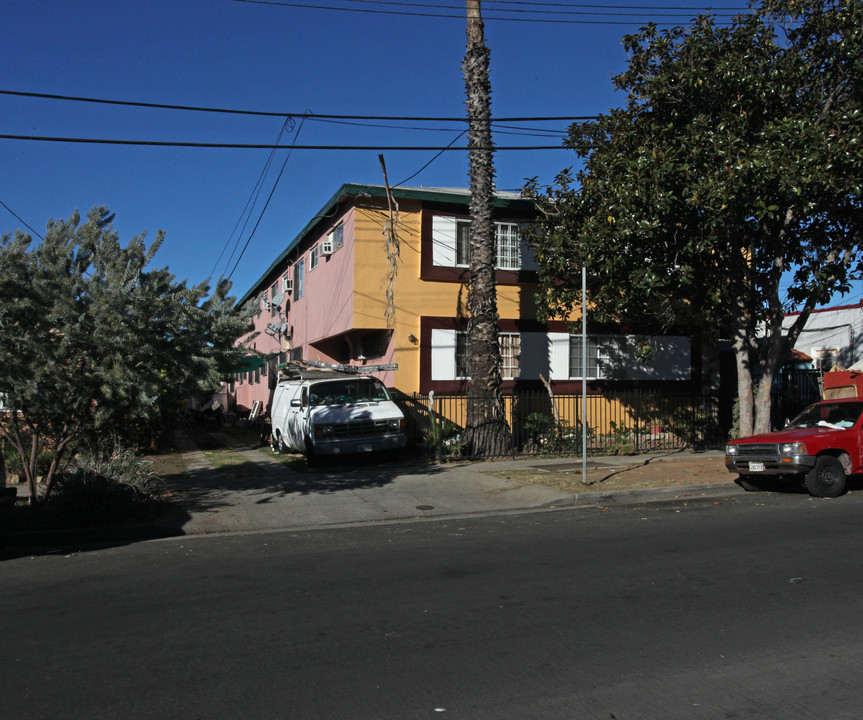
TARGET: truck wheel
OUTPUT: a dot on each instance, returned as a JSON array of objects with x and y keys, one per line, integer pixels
[
  {"x": 312, "y": 460},
  {"x": 281, "y": 445},
  {"x": 827, "y": 478},
  {"x": 751, "y": 483}
]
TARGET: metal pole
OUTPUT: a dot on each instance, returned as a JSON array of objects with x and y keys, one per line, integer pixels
[{"x": 584, "y": 375}]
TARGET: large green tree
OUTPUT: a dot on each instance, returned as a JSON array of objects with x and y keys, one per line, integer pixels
[
  {"x": 94, "y": 342},
  {"x": 727, "y": 190}
]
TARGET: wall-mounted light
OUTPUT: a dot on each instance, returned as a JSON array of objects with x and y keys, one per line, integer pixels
[{"x": 412, "y": 338}]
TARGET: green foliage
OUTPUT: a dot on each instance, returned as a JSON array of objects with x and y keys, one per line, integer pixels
[
  {"x": 103, "y": 485},
  {"x": 734, "y": 170},
  {"x": 445, "y": 437},
  {"x": 619, "y": 440},
  {"x": 550, "y": 436},
  {"x": 94, "y": 341},
  {"x": 14, "y": 464}
]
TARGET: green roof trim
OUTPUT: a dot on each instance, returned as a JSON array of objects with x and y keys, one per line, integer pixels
[
  {"x": 502, "y": 200},
  {"x": 249, "y": 363}
]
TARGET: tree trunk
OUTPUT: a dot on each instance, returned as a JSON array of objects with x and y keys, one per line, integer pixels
[
  {"x": 743, "y": 360},
  {"x": 487, "y": 432}
]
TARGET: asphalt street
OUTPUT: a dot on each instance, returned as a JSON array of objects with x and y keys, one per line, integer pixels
[{"x": 746, "y": 607}]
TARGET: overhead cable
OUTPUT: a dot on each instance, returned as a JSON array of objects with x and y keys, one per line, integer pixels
[
  {"x": 460, "y": 16},
  {"x": 264, "y": 146},
  {"x": 282, "y": 114}
]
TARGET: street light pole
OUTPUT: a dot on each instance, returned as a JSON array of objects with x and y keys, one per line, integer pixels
[{"x": 584, "y": 375}]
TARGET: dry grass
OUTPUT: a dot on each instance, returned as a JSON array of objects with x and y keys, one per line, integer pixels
[{"x": 658, "y": 473}]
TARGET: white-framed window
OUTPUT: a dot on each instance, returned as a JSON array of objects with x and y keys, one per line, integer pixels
[
  {"x": 462, "y": 356},
  {"x": 451, "y": 243},
  {"x": 299, "y": 276},
  {"x": 337, "y": 236},
  {"x": 462, "y": 242},
  {"x": 606, "y": 357},
  {"x": 314, "y": 256},
  {"x": 510, "y": 355},
  {"x": 274, "y": 290},
  {"x": 507, "y": 246}
]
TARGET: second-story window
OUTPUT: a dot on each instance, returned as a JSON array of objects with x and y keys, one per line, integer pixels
[
  {"x": 314, "y": 255},
  {"x": 299, "y": 276},
  {"x": 274, "y": 290},
  {"x": 337, "y": 236},
  {"x": 507, "y": 245}
]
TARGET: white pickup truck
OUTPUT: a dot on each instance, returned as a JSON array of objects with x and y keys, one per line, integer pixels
[{"x": 320, "y": 412}]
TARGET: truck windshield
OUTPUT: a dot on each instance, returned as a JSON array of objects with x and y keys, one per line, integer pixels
[
  {"x": 830, "y": 415},
  {"x": 348, "y": 391}
]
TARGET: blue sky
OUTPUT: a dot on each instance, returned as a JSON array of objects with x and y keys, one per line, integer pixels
[{"x": 284, "y": 59}]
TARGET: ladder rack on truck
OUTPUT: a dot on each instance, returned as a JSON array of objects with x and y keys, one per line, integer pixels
[{"x": 296, "y": 367}]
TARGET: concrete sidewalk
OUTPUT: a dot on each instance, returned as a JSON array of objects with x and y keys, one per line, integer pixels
[{"x": 279, "y": 497}]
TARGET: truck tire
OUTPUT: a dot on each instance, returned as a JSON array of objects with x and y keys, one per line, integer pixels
[
  {"x": 312, "y": 459},
  {"x": 282, "y": 448},
  {"x": 826, "y": 478}
]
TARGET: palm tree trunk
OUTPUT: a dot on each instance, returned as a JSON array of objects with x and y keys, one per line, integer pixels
[{"x": 487, "y": 432}]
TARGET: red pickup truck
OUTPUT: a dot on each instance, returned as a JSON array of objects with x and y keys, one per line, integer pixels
[{"x": 821, "y": 446}]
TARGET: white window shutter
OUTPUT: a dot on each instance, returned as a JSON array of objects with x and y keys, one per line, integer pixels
[
  {"x": 443, "y": 241},
  {"x": 558, "y": 356},
  {"x": 443, "y": 354}
]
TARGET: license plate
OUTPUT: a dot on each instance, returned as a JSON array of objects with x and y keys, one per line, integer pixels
[
  {"x": 365, "y": 447},
  {"x": 756, "y": 467}
]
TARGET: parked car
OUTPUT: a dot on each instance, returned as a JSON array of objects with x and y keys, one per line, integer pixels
[
  {"x": 324, "y": 412},
  {"x": 820, "y": 447}
]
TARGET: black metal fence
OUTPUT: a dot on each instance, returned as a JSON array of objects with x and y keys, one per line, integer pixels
[{"x": 617, "y": 422}]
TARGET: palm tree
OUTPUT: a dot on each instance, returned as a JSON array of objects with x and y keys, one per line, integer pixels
[{"x": 487, "y": 432}]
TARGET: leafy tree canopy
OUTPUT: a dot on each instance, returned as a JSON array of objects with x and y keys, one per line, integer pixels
[
  {"x": 733, "y": 172},
  {"x": 94, "y": 342}
]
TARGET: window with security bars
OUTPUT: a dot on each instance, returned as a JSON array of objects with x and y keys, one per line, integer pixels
[
  {"x": 606, "y": 357},
  {"x": 507, "y": 245},
  {"x": 510, "y": 355}
]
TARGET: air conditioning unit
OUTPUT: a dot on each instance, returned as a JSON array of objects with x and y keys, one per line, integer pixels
[
  {"x": 327, "y": 247},
  {"x": 289, "y": 286}
]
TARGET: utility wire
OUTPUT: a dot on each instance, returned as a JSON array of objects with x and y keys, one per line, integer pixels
[
  {"x": 266, "y": 205},
  {"x": 264, "y": 146},
  {"x": 527, "y": 7},
  {"x": 460, "y": 16},
  {"x": 282, "y": 114},
  {"x": 18, "y": 217},
  {"x": 455, "y": 139},
  {"x": 250, "y": 203}
]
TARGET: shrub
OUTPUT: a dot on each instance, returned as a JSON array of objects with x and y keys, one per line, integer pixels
[
  {"x": 14, "y": 466},
  {"x": 446, "y": 436},
  {"x": 104, "y": 484}
]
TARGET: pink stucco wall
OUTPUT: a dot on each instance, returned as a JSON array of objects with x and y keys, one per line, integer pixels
[{"x": 325, "y": 310}]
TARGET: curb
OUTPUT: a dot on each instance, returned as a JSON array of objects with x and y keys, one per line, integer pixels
[{"x": 45, "y": 540}]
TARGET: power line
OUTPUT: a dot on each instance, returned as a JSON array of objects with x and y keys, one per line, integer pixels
[
  {"x": 250, "y": 203},
  {"x": 18, "y": 217},
  {"x": 282, "y": 114},
  {"x": 582, "y": 9},
  {"x": 264, "y": 209},
  {"x": 263, "y": 146},
  {"x": 460, "y": 16}
]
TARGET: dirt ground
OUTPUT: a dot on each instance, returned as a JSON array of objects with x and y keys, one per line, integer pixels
[{"x": 639, "y": 474}]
